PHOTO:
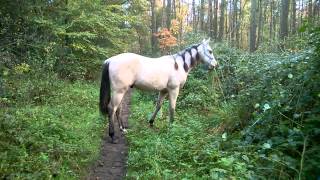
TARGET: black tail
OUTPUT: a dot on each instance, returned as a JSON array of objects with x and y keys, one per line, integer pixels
[{"x": 105, "y": 90}]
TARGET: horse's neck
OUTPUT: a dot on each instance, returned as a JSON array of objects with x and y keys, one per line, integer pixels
[{"x": 187, "y": 59}]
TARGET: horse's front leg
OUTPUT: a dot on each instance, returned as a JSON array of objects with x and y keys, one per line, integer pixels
[
  {"x": 162, "y": 96},
  {"x": 173, "y": 95}
]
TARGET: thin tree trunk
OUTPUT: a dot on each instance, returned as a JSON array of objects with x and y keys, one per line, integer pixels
[
  {"x": 271, "y": 20},
  {"x": 221, "y": 22},
  {"x": 215, "y": 20},
  {"x": 153, "y": 26},
  {"x": 163, "y": 18},
  {"x": 180, "y": 25},
  {"x": 210, "y": 22},
  {"x": 293, "y": 17},
  {"x": 301, "y": 12},
  {"x": 238, "y": 22},
  {"x": 284, "y": 19},
  {"x": 253, "y": 26},
  {"x": 202, "y": 15},
  {"x": 260, "y": 22},
  {"x": 264, "y": 19},
  {"x": 230, "y": 31},
  {"x": 194, "y": 17},
  {"x": 226, "y": 21},
  {"x": 310, "y": 11},
  {"x": 168, "y": 13},
  {"x": 174, "y": 15},
  {"x": 235, "y": 23}
]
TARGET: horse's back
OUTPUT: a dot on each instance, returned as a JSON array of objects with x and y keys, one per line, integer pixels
[{"x": 146, "y": 73}]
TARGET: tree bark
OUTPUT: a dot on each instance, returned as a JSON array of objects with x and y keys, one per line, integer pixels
[
  {"x": 230, "y": 28},
  {"x": 271, "y": 20},
  {"x": 163, "y": 18},
  {"x": 174, "y": 10},
  {"x": 194, "y": 17},
  {"x": 202, "y": 15},
  {"x": 310, "y": 11},
  {"x": 168, "y": 13},
  {"x": 260, "y": 23},
  {"x": 215, "y": 20},
  {"x": 153, "y": 26},
  {"x": 284, "y": 19},
  {"x": 253, "y": 26},
  {"x": 221, "y": 22},
  {"x": 210, "y": 22},
  {"x": 293, "y": 17}
]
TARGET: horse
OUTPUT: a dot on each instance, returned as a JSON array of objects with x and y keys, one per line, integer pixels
[{"x": 166, "y": 74}]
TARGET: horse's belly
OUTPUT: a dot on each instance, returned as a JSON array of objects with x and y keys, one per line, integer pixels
[{"x": 151, "y": 83}]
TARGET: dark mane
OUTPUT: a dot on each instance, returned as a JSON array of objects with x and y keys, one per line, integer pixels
[{"x": 193, "y": 59}]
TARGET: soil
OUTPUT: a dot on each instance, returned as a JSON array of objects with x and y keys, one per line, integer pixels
[{"x": 112, "y": 163}]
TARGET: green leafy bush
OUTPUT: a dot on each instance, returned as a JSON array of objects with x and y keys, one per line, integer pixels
[
  {"x": 255, "y": 117},
  {"x": 48, "y": 128}
]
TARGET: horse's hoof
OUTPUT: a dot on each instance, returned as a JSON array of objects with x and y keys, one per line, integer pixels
[
  {"x": 124, "y": 131},
  {"x": 113, "y": 140}
]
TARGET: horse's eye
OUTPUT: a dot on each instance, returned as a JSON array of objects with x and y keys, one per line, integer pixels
[{"x": 210, "y": 51}]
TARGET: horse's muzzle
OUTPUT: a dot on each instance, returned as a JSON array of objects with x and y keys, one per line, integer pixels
[{"x": 211, "y": 67}]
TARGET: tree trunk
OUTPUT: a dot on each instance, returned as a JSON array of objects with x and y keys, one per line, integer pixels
[
  {"x": 168, "y": 13},
  {"x": 210, "y": 22},
  {"x": 215, "y": 20},
  {"x": 301, "y": 12},
  {"x": 253, "y": 26},
  {"x": 194, "y": 17},
  {"x": 153, "y": 26},
  {"x": 271, "y": 20},
  {"x": 163, "y": 18},
  {"x": 202, "y": 15},
  {"x": 221, "y": 22},
  {"x": 310, "y": 11},
  {"x": 260, "y": 23},
  {"x": 230, "y": 29},
  {"x": 293, "y": 17},
  {"x": 284, "y": 19},
  {"x": 235, "y": 22},
  {"x": 180, "y": 25},
  {"x": 174, "y": 13}
]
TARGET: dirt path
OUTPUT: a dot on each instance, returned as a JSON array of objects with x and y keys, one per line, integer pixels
[{"x": 112, "y": 163}]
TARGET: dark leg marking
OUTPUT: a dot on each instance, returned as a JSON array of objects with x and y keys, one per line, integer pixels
[{"x": 161, "y": 97}]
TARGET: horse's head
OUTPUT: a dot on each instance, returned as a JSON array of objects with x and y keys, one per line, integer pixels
[{"x": 206, "y": 55}]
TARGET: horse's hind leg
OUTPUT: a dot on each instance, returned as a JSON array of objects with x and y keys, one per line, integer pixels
[
  {"x": 119, "y": 117},
  {"x": 112, "y": 108},
  {"x": 162, "y": 95}
]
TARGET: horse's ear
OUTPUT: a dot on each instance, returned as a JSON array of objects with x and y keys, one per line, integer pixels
[{"x": 204, "y": 41}]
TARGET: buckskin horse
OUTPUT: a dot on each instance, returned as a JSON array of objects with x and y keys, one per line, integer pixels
[{"x": 166, "y": 74}]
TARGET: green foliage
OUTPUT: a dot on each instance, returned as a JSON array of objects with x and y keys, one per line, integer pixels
[
  {"x": 69, "y": 37},
  {"x": 187, "y": 149},
  {"x": 256, "y": 117},
  {"x": 48, "y": 128}
]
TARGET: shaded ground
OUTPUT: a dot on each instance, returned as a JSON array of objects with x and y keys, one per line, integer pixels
[{"x": 112, "y": 163}]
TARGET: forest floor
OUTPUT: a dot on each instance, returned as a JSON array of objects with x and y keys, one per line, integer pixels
[{"x": 112, "y": 163}]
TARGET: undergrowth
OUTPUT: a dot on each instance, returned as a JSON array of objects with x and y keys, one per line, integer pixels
[
  {"x": 49, "y": 128},
  {"x": 256, "y": 117}
]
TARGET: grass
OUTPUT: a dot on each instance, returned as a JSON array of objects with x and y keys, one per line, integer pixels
[
  {"x": 58, "y": 137},
  {"x": 185, "y": 150}
]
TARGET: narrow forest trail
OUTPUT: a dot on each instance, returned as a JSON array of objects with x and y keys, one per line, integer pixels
[{"x": 112, "y": 163}]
